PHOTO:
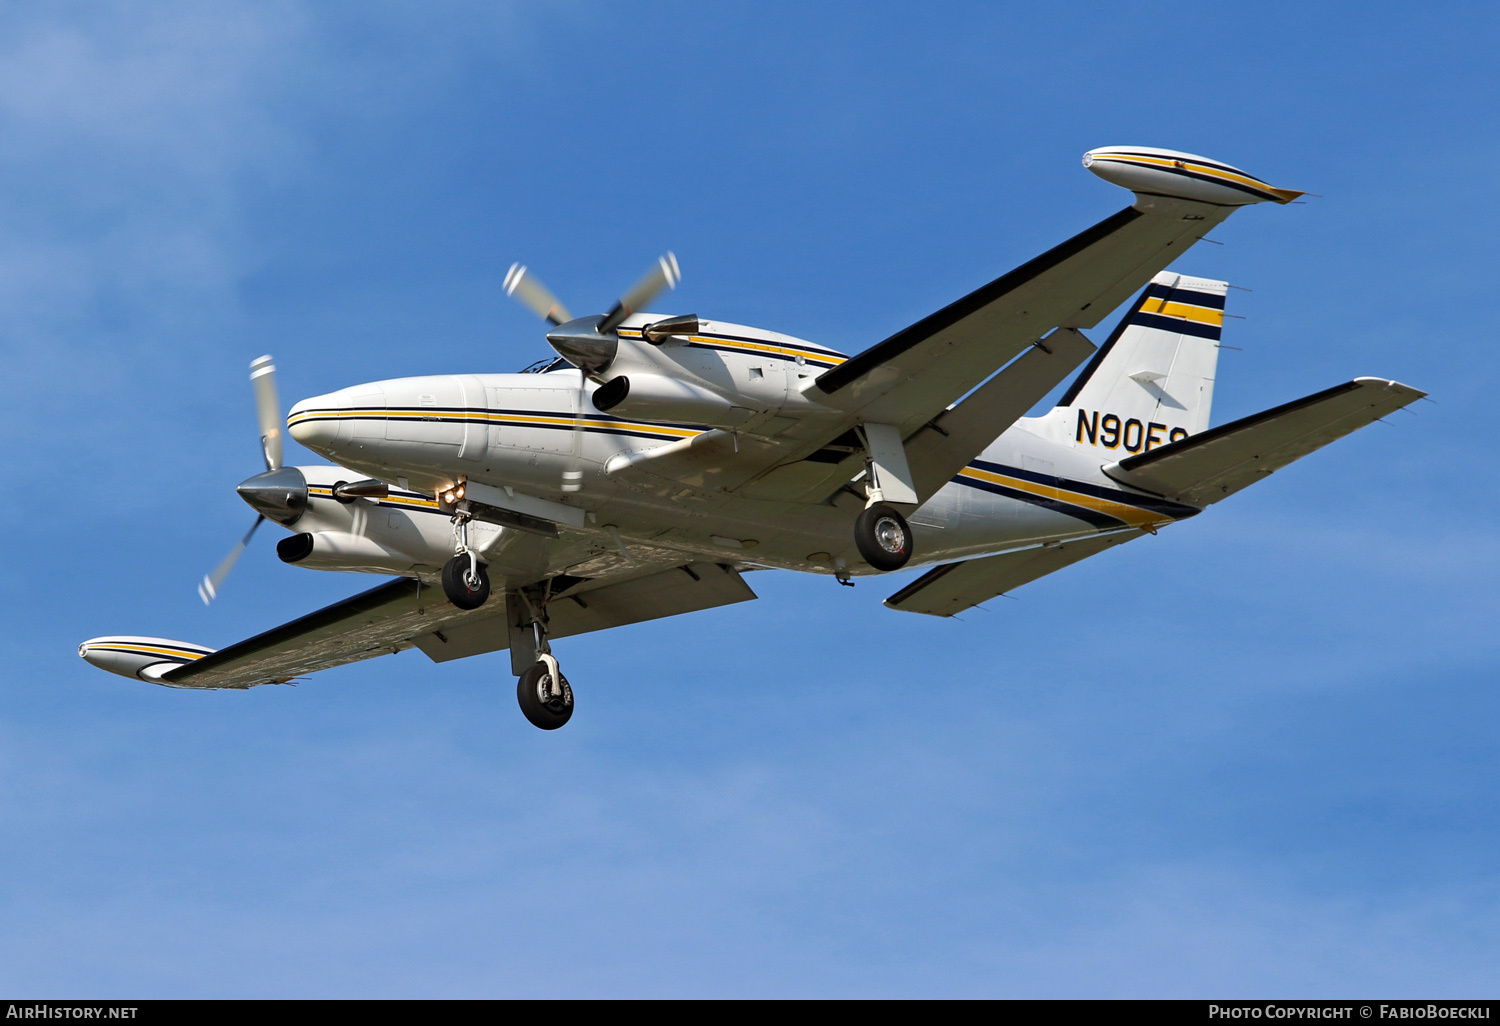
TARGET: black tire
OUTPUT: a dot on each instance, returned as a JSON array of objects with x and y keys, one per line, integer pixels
[
  {"x": 882, "y": 537},
  {"x": 548, "y": 715},
  {"x": 457, "y": 587}
]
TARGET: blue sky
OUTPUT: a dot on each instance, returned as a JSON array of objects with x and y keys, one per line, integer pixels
[{"x": 1255, "y": 755}]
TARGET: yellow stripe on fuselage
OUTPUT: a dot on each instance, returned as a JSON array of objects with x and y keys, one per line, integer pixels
[
  {"x": 1186, "y": 311},
  {"x": 753, "y": 347},
  {"x": 499, "y": 419},
  {"x": 1132, "y": 515}
]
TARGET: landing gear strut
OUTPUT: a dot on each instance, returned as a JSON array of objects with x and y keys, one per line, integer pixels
[
  {"x": 543, "y": 692},
  {"x": 464, "y": 580}
]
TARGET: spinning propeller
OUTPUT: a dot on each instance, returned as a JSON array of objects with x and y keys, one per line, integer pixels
[
  {"x": 589, "y": 343},
  {"x": 280, "y": 493}
]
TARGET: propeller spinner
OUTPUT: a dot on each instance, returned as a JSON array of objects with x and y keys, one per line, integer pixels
[
  {"x": 279, "y": 494},
  {"x": 589, "y": 343}
]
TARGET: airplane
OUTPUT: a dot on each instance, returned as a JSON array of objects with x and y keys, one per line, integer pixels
[{"x": 657, "y": 459}]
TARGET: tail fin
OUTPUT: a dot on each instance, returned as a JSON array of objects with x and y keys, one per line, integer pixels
[{"x": 1152, "y": 381}]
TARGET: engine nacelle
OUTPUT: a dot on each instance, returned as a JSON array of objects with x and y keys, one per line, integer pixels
[
  {"x": 685, "y": 370},
  {"x": 657, "y": 398},
  {"x": 339, "y": 550}
]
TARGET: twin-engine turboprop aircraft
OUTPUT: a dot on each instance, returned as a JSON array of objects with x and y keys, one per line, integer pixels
[{"x": 658, "y": 458}]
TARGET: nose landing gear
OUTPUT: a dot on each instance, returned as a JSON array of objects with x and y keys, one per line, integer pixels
[{"x": 465, "y": 582}]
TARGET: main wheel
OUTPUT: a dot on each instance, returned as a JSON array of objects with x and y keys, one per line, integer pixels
[
  {"x": 882, "y": 537},
  {"x": 465, "y": 589},
  {"x": 536, "y": 705}
]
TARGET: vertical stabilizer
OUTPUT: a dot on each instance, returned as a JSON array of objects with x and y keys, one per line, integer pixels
[{"x": 1152, "y": 382}]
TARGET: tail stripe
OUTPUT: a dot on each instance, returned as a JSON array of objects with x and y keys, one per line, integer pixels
[
  {"x": 1181, "y": 325},
  {"x": 1182, "y": 295},
  {"x": 1168, "y": 307},
  {"x": 1156, "y": 368},
  {"x": 1181, "y": 310}
]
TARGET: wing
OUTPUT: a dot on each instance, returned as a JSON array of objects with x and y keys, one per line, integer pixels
[
  {"x": 376, "y": 622},
  {"x": 1213, "y": 464},
  {"x": 918, "y": 372},
  {"x": 954, "y": 587},
  {"x": 406, "y": 613}
]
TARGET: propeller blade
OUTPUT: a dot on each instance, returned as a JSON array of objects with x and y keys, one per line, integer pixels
[
  {"x": 534, "y": 296},
  {"x": 208, "y": 588},
  {"x": 665, "y": 275},
  {"x": 267, "y": 409}
]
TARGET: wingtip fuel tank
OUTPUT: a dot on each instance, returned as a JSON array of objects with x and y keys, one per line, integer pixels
[
  {"x": 1150, "y": 171},
  {"x": 142, "y": 658}
]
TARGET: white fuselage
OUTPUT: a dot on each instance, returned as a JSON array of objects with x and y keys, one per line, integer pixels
[{"x": 522, "y": 432}]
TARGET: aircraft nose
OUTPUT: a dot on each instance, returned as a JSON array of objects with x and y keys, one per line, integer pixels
[{"x": 330, "y": 424}]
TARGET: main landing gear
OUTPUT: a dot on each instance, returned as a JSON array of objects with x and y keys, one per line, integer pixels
[
  {"x": 464, "y": 579},
  {"x": 543, "y": 692},
  {"x": 883, "y": 537},
  {"x": 881, "y": 533}
]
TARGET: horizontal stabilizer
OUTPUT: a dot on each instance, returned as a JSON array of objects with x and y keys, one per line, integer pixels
[
  {"x": 1206, "y": 467},
  {"x": 954, "y": 587}
]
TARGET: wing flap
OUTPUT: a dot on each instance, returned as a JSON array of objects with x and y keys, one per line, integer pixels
[
  {"x": 592, "y": 606},
  {"x": 682, "y": 589},
  {"x": 1208, "y": 466},
  {"x": 945, "y": 446},
  {"x": 599, "y": 606},
  {"x": 954, "y": 587},
  {"x": 460, "y": 641}
]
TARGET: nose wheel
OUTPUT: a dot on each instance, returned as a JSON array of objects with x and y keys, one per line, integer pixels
[{"x": 464, "y": 580}]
